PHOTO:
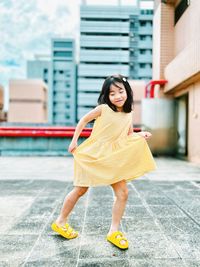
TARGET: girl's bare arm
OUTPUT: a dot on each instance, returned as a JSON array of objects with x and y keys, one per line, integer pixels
[
  {"x": 146, "y": 135},
  {"x": 93, "y": 114}
]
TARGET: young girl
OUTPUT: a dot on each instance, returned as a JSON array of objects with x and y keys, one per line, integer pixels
[{"x": 112, "y": 155}]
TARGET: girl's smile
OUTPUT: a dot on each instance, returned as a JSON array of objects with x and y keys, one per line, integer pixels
[{"x": 118, "y": 95}]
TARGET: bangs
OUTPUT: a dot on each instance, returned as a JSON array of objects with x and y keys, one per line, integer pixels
[{"x": 116, "y": 85}]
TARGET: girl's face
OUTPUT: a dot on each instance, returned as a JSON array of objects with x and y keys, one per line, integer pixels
[{"x": 118, "y": 95}]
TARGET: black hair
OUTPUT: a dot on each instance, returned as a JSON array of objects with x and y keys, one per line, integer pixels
[{"x": 105, "y": 91}]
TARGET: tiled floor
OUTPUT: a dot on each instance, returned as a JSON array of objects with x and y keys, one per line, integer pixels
[{"x": 161, "y": 221}]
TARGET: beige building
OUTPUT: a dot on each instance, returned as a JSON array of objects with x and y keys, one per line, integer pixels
[
  {"x": 3, "y": 114},
  {"x": 1, "y": 98},
  {"x": 27, "y": 101},
  {"x": 138, "y": 88},
  {"x": 176, "y": 58}
]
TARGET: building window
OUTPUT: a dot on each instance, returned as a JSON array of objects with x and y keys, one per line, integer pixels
[
  {"x": 142, "y": 37},
  {"x": 142, "y": 65},
  {"x": 142, "y": 23},
  {"x": 63, "y": 44},
  {"x": 180, "y": 9},
  {"x": 142, "y": 51},
  {"x": 63, "y": 54},
  {"x": 61, "y": 71},
  {"x": 146, "y": 11}
]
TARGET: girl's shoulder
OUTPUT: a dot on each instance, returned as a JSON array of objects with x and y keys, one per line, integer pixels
[
  {"x": 100, "y": 109},
  {"x": 102, "y": 106}
]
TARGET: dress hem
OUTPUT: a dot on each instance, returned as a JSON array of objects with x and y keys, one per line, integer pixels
[{"x": 116, "y": 181}]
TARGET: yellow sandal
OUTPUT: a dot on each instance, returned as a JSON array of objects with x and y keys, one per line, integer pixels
[
  {"x": 66, "y": 231},
  {"x": 116, "y": 238}
]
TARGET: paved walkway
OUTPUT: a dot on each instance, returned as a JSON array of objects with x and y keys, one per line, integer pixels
[{"x": 162, "y": 218}]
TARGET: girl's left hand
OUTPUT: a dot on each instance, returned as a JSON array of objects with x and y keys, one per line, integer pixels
[{"x": 146, "y": 135}]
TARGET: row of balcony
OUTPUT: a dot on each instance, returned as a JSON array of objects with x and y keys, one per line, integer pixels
[
  {"x": 103, "y": 70},
  {"x": 89, "y": 85},
  {"x": 104, "y": 41},
  {"x": 63, "y": 65},
  {"x": 104, "y": 12},
  {"x": 113, "y": 56},
  {"x": 104, "y": 56},
  {"x": 104, "y": 27}
]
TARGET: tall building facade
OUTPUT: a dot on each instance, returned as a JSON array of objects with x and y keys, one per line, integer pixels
[
  {"x": 39, "y": 68},
  {"x": 141, "y": 28},
  {"x": 113, "y": 39},
  {"x": 62, "y": 94}
]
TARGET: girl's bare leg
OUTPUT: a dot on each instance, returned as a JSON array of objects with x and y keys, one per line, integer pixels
[
  {"x": 121, "y": 196},
  {"x": 69, "y": 203}
]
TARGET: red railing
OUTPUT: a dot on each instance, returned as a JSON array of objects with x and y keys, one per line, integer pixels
[
  {"x": 149, "y": 93},
  {"x": 44, "y": 131}
]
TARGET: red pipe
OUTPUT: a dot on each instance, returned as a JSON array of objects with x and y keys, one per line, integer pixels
[
  {"x": 152, "y": 87},
  {"x": 45, "y": 131}
]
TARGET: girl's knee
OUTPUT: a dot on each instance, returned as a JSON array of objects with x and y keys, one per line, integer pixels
[
  {"x": 122, "y": 193},
  {"x": 81, "y": 190},
  {"x": 125, "y": 193}
]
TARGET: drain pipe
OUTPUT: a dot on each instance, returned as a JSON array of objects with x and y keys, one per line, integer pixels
[{"x": 149, "y": 93}]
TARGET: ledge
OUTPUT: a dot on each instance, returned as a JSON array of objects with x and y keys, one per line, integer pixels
[
  {"x": 184, "y": 69},
  {"x": 44, "y": 131}
]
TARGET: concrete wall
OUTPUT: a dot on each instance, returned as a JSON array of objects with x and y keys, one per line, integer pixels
[
  {"x": 187, "y": 28},
  {"x": 39, "y": 146},
  {"x": 163, "y": 38},
  {"x": 138, "y": 88},
  {"x": 194, "y": 123},
  {"x": 158, "y": 118}
]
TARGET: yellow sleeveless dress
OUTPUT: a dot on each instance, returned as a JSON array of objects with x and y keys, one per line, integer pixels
[{"x": 110, "y": 155}]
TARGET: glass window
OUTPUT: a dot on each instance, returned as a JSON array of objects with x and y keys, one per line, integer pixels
[
  {"x": 63, "y": 44},
  {"x": 142, "y": 23},
  {"x": 142, "y": 65},
  {"x": 142, "y": 37},
  {"x": 63, "y": 54},
  {"x": 180, "y": 9}
]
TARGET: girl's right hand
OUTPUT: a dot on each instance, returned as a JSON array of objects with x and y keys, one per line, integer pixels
[{"x": 72, "y": 147}]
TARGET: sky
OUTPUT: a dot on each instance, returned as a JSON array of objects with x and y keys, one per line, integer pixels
[{"x": 26, "y": 29}]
